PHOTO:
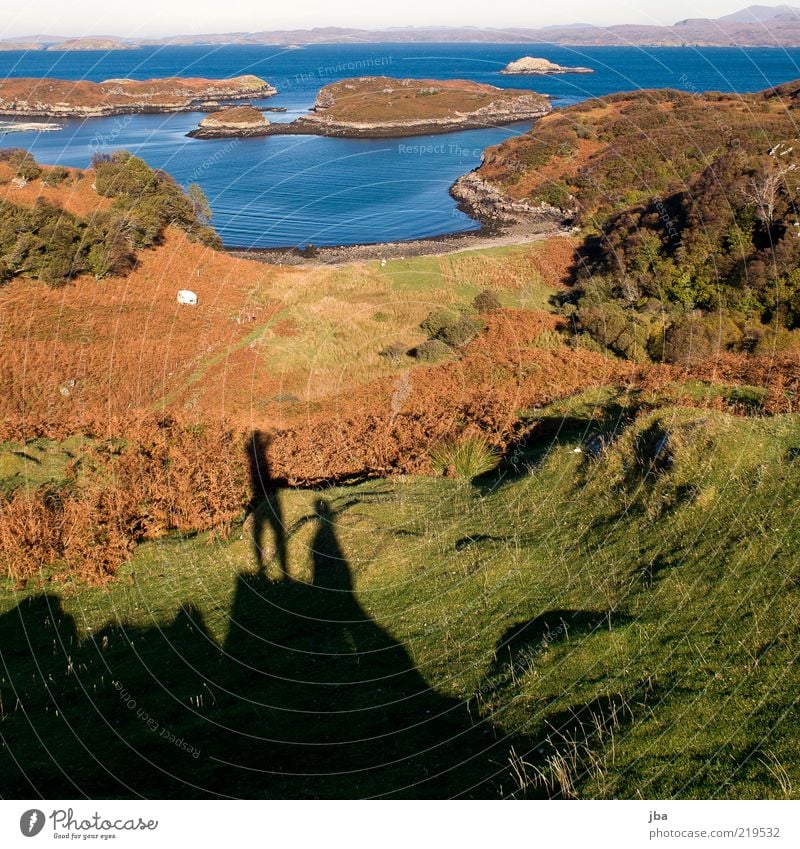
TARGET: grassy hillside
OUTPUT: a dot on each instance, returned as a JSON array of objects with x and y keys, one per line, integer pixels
[
  {"x": 621, "y": 624},
  {"x": 688, "y": 205}
]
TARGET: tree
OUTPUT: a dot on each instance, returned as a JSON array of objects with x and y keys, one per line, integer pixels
[
  {"x": 763, "y": 189},
  {"x": 200, "y": 206}
]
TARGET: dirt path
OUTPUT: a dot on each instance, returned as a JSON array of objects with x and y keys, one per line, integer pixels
[{"x": 438, "y": 246}]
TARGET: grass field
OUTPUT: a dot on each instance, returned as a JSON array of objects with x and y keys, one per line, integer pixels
[{"x": 619, "y": 625}]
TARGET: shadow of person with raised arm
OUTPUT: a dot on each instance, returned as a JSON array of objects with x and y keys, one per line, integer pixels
[
  {"x": 323, "y": 702},
  {"x": 307, "y": 696},
  {"x": 265, "y": 505}
]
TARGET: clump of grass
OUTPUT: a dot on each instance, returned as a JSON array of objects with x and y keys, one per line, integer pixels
[
  {"x": 487, "y": 301},
  {"x": 465, "y": 458},
  {"x": 431, "y": 351}
]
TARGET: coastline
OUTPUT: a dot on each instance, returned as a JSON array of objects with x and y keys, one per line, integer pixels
[
  {"x": 503, "y": 222},
  {"x": 446, "y": 243},
  {"x": 329, "y": 129},
  {"x": 86, "y": 112}
]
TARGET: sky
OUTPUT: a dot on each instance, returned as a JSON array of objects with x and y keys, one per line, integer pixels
[{"x": 172, "y": 17}]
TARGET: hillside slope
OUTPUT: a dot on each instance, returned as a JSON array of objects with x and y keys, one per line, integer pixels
[
  {"x": 688, "y": 207},
  {"x": 611, "y": 626}
]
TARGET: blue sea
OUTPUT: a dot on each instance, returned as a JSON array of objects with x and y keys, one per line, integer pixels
[{"x": 295, "y": 190}]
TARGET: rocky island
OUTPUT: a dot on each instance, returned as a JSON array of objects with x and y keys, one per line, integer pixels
[
  {"x": 383, "y": 107},
  {"x": 46, "y": 98},
  {"x": 27, "y": 127},
  {"x": 533, "y": 66},
  {"x": 237, "y": 121}
]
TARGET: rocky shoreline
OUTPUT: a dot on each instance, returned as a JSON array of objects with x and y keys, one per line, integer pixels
[
  {"x": 235, "y": 122},
  {"x": 434, "y": 246},
  {"x": 483, "y": 202},
  {"x": 503, "y": 222},
  {"x": 308, "y": 126},
  {"x": 27, "y": 127}
]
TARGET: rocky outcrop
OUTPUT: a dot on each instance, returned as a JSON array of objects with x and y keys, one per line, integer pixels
[
  {"x": 27, "y": 127},
  {"x": 236, "y": 122},
  {"x": 104, "y": 44},
  {"x": 383, "y": 107},
  {"x": 532, "y": 66},
  {"x": 48, "y": 98},
  {"x": 493, "y": 209}
]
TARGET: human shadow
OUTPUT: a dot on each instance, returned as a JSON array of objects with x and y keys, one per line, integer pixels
[
  {"x": 265, "y": 505},
  {"x": 590, "y": 434},
  {"x": 307, "y": 696},
  {"x": 345, "y": 709}
]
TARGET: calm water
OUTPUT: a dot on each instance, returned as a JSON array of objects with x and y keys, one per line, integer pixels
[{"x": 291, "y": 190}]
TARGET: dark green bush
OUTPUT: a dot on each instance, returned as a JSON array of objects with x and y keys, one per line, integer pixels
[
  {"x": 624, "y": 331},
  {"x": 486, "y": 301},
  {"x": 438, "y": 320},
  {"x": 555, "y": 193},
  {"x": 55, "y": 176},
  {"x": 430, "y": 351},
  {"x": 52, "y": 244},
  {"x": 22, "y": 162},
  {"x": 464, "y": 330},
  {"x": 150, "y": 200}
]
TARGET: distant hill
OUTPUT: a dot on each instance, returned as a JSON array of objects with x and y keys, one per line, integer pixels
[
  {"x": 754, "y": 26},
  {"x": 761, "y": 14}
]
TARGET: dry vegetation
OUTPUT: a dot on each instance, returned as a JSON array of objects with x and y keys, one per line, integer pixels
[
  {"x": 378, "y": 99},
  {"x": 165, "y": 395}
]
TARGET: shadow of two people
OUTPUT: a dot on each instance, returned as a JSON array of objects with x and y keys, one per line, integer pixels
[{"x": 307, "y": 696}]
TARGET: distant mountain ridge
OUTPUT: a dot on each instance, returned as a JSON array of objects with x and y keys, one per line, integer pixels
[
  {"x": 754, "y": 26},
  {"x": 761, "y": 14}
]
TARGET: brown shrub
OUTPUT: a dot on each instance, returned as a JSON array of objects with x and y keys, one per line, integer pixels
[
  {"x": 699, "y": 337},
  {"x": 486, "y": 301},
  {"x": 168, "y": 477}
]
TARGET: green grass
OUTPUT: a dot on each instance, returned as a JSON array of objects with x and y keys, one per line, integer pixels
[
  {"x": 586, "y": 625},
  {"x": 461, "y": 276},
  {"x": 36, "y": 463}
]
